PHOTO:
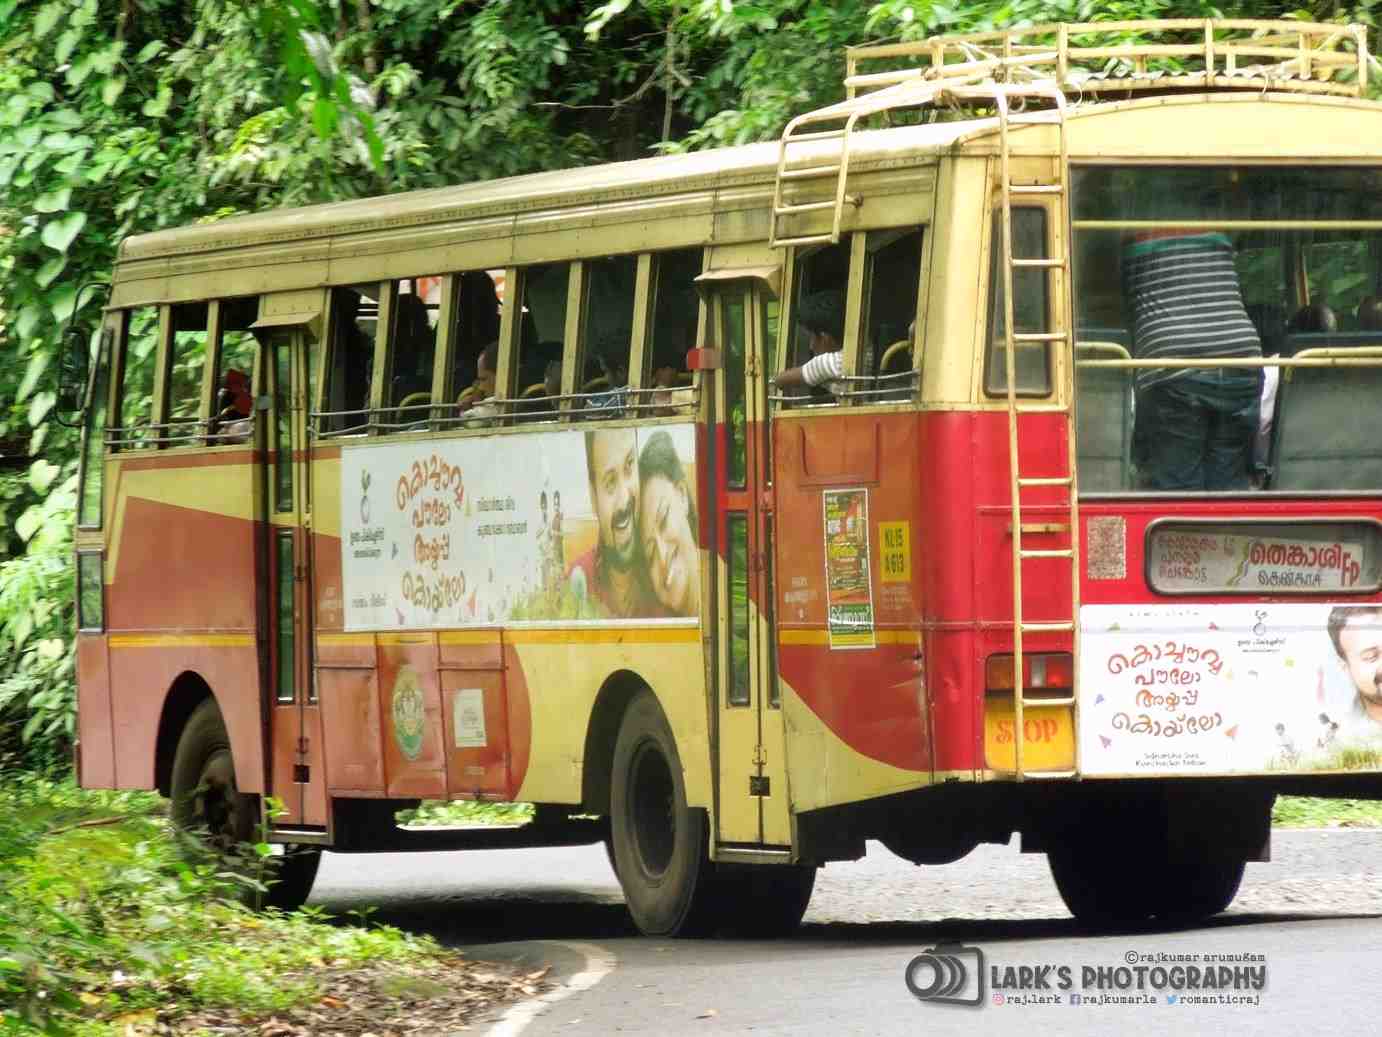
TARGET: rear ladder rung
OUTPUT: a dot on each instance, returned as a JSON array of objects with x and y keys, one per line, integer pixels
[
  {"x": 809, "y": 172},
  {"x": 1067, "y": 700},
  {"x": 815, "y": 135},
  {"x": 791, "y": 210},
  {"x": 1045, "y": 480},
  {"x": 1036, "y": 188},
  {"x": 1038, "y": 336},
  {"x": 1045, "y": 552},
  {"x": 809, "y": 239},
  {"x": 1041, "y": 408},
  {"x": 1041, "y": 264},
  {"x": 1063, "y": 627}
]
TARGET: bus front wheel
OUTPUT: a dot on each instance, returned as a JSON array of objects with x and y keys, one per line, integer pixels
[{"x": 659, "y": 843}]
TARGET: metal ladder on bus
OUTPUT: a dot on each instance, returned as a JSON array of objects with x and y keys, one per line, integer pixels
[
  {"x": 850, "y": 111},
  {"x": 1061, "y": 336}
]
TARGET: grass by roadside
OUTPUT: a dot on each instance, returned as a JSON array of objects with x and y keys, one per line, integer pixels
[
  {"x": 433, "y": 813},
  {"x": 1290, "y": 812},
  {"x": 1304, "y": 812},
  {"x": 107, "y": 928}
]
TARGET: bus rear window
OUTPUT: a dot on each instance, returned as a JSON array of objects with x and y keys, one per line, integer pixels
[
  {"x": 1236, "y": 557},
  {"x": 1031, "y": 307},
  {"x": 1259, "y": 286}
]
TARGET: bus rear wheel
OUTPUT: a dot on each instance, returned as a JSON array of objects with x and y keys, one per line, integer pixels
[
  {"x": 659, "y": 843},
  {"x": 1108, "y": 887},
  {"x": 208, "y": 805}
]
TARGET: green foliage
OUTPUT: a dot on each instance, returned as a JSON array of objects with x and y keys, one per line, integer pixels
[
  {"x": 1306, "y": 812},
  {"x": 37, "y": 686},
  {"x": 455, "y": 813},
  {"x": 103, "y": 915}
]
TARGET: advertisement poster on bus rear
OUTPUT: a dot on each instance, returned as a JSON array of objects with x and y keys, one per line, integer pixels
[
  {"x": 575, "y": 525},
  {"x": 848, "y": 589},
  {"x": 1230, "y": 689}
]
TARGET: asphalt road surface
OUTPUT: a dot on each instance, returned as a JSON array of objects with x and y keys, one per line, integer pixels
[{"x": 1312, "y": 917}]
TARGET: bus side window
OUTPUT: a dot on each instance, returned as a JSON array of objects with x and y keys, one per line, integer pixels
[
  {"x": 139, "y": 357},
  {"x": 413, "y": 342},
  {"x": 354, "y": 315},
  {"x": 232, "y": 412},
  {"x": 187, "y": 366},
  {"x": 607, "y": 335},
  {"x": 672, "y": 332},
  {"x": 1031, "y": 306},
  {"x": 535, "y": 373},
  {"x": 821, "y": 275},
  {"x": 474, "y": 325},
  {"x": 892, "y": 276}
]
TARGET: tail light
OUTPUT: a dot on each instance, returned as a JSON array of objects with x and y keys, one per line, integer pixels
[{"x": 1054, "y": 671}]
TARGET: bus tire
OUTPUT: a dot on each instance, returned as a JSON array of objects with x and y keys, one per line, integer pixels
[
  {"x": 660, "y": 843},
  {"x": 1107, "y": 888},
  {"x": 206, "y": 802},
  {"x": 1196, "y": 889},
  {"x": 769, "y": 900},
  {"x": 208, "y": 806},
  {"x": 289, "y": 879}
]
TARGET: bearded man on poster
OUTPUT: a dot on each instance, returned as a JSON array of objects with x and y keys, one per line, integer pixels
[
  {"x": 1356, "y": 631},
  {"x": 609, "y": 570}
]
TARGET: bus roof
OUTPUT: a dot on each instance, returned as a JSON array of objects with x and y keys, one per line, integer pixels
[{"x": 1283, "y": 127}]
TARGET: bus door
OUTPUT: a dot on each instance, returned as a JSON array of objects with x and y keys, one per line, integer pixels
[
  {"x": 752, "y": 774},
  {"x": 296, "y": 775}
]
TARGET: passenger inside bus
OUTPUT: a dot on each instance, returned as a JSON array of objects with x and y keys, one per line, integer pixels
[
  {"x": 1370, "y": 314},
  {"x": 352, "y": 359},
  {"x": 1194, "y": 427},
  {"x": 234, "y": 405},
  {"x": 477, "y": 399},
  {"x": 607, "y": 369},
  {"x": 822, "y": 316},
  {"x": 414, "y": 348}
]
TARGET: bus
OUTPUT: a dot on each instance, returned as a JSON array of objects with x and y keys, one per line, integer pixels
[{"x": 995, "y": 453}]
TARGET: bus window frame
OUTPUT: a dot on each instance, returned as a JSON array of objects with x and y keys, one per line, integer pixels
[
  {"x": 382, "y": 372},
  {"x": 875, "y": 397},
  {"x": 787, "y": 323},
  {"x": 988, "y": 303},
  {"x": 107, "y": 344},
  {"x": 121, "y": 442},
  {"x": 444, "y": 350}
]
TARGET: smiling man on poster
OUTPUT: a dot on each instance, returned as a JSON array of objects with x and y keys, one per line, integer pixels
[
  {"x": 609, "y": 570},
  {"x": 1356, "y": 631}
]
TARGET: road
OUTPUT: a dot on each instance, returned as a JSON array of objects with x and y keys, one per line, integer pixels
[{"x": 1313, "y": 914}]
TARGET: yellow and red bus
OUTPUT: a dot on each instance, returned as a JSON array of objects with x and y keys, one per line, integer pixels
[{"x": 520, "y": 491}]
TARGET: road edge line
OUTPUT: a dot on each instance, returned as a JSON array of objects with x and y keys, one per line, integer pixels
[{"x": 599, "y": 963}]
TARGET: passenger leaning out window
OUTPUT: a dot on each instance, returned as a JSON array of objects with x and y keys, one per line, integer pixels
[{"x": 822, "y": 316}]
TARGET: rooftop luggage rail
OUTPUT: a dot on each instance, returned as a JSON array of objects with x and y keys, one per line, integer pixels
[
  {"x": 1117, "y": 57},
  {"x": 1083, "y": 59}
]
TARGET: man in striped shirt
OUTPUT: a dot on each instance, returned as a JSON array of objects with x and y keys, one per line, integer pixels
[
  {"x": 1195, "y": 425},
  {"x": 822, "y": 314}
]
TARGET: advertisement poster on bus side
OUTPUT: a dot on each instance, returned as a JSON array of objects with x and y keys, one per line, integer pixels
[
  {"x": 1230, "y": 689},
  {"x": 573, "y": 525},
  {"x": 848, "y": 588}
]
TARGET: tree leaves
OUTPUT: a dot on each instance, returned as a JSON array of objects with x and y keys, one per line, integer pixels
[
  {"x": 58, "y": 234},
  {"x": 53, "y": 201}
]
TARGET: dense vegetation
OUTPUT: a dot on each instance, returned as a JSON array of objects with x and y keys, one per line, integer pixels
[{"x": 119, "y": 116}]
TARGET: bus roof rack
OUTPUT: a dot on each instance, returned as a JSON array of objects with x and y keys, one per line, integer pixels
[
  {"x": 1038, "y": 67},
  {"x": 1151, "y": 55}
]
